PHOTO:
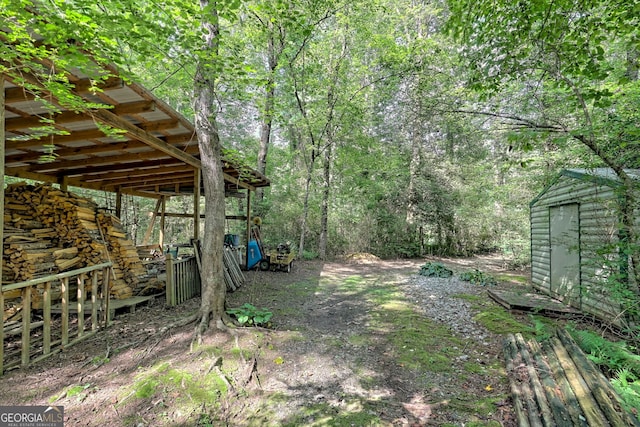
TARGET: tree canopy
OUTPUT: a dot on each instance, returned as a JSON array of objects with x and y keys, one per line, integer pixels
[{"x": 399, "y": 128}]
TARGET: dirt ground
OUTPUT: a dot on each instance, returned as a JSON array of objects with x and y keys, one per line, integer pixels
[{"x": 325, "y": 360}]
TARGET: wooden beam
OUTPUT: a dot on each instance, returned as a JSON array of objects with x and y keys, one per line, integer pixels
[
  {"x": 133, "y": 174},
  {"x": 88, "y": 135},
  {"x": 53, "y": 179},
  {"x": 20, "y": 94},
  {"x": 62, "y": 152},
  {"x": 17, "y": 123},
  {"x": 196, "y": 204},
  {"x": 87, "y": 171},
  {"x": 108, "y": 118},
  {"x": 114, "y": 161},
  {"x": 180, "y": 180},
  {"x": 157, "y": 176},
  {"x": 136, "y": 107}
]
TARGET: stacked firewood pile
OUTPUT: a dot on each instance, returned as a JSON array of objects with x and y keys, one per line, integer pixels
[
  {"x": 56, "y": 220},
  {"x": 127, "y": 266},
  {"x": 48, "y": 231}
]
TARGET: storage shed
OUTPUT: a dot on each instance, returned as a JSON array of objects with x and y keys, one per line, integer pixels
[{"x": 575, "y": 225}]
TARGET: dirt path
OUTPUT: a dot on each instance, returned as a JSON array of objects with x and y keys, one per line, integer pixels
[{"x": 349, "y": 347}]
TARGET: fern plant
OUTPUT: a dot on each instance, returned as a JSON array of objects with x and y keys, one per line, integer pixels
[
  {"x": 611, "y": 356},
  {"x": 628, "y": 388}
]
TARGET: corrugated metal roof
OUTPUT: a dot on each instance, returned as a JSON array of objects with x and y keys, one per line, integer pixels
[
  {"x": 604, "y": 173},
  {"x": 602, "y": 176},
  {"x": 156, "y": 155}
]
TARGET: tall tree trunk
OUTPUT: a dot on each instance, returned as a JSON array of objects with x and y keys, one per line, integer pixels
[
  {"x": 212, "y": 274},
  {"x": 267, "y": 114},
  {"x": 414, "y": 172},
  {"x": 305, "y": 209},
  {"x": 326, "y": 192}
]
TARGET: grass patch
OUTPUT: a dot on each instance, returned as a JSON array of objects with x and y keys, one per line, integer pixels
[
  {"x": 511, "y": 278},
  {"x": 494, "y": 318},
  {"x": 354, "y": 413},
  {"x": 417, "y": 342},
  {"x": 359, "y": 340},
  {"x": 500, "y": 322}
]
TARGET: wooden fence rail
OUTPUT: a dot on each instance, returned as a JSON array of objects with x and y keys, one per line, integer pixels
[
  {"x": 183, "y": 279},
  {"x": 40, "y": 339}
]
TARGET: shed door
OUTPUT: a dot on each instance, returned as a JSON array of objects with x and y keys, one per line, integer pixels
[{"x": 564, "y": 235}]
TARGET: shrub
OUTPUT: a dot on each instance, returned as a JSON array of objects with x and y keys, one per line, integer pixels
[
  {"x": 477, "y": 277},
  {"x": 250, "y": 315},
  {"x": 435, "y": 269}
]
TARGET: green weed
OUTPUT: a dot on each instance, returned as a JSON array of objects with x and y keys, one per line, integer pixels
[
  {"x": 435, "y": 269},
  {"x": 250, "y": 315},
  {"x": 477, "y": 277}
]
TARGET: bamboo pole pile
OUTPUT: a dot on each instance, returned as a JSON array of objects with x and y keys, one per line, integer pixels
[
  {"x": 233, "y": 276},
  {"x": 127, "y": 266}
]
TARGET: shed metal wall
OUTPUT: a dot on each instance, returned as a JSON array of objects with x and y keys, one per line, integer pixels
[{"x": 598, "y": 230}]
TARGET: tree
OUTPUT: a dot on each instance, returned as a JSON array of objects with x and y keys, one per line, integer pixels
[
  {"x": 212, "y": 274},
  {"x": 575, "y": 64}
]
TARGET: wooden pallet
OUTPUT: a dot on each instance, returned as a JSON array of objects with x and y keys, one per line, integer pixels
[
  {"x": 530, "y": 302},
  {"x": 555, "y": 384}
]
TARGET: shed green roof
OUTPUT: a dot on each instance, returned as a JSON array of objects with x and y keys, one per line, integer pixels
[{"x": 600, "y": 176}]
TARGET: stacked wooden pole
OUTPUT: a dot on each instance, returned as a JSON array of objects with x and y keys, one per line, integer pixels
[
  {"x": 233, "y": 276},
  {"x": 555, "y": 384}
]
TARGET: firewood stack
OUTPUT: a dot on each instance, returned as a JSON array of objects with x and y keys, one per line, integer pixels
[
  {"x": 26, "y": 256},
  {"x": 74, "y": 220},
  {"x": 127, "y": 266},
  {"x": 48, "y": 230}
]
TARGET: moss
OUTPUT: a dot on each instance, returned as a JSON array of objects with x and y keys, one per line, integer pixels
[
  {"x": 189, "y": 391},
  {"x": 501, "y": 322},
  {"x": 359, "y": 340},
  {"x": 353, "y": 413}
]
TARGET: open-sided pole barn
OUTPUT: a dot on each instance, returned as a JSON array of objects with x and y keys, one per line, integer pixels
[{"x": 153, "y": 154}]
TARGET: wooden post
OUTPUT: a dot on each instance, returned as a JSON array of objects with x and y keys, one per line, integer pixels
[
  {"x": 171, "y": 285},
  {"x": 80, "y": 305},
  {"x": 64, "y": 183},
  {"x": 161, "y": 236},
  {"x": 248, "y": 230},
  {"x": 64, "y": 289},
  {"x": 94, "y": 300},
  {"x": 26, "y": 324},
  {"x": 196, "y": 205},
  {"x": 2, "y": 154},
  {"x": 118, "y": 203},
  {"x": 106, "y": 277},
  {"x": 46, "y": 308}
]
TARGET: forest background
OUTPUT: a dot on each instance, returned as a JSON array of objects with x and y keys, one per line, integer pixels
[{"x": 399, "y": 128}]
